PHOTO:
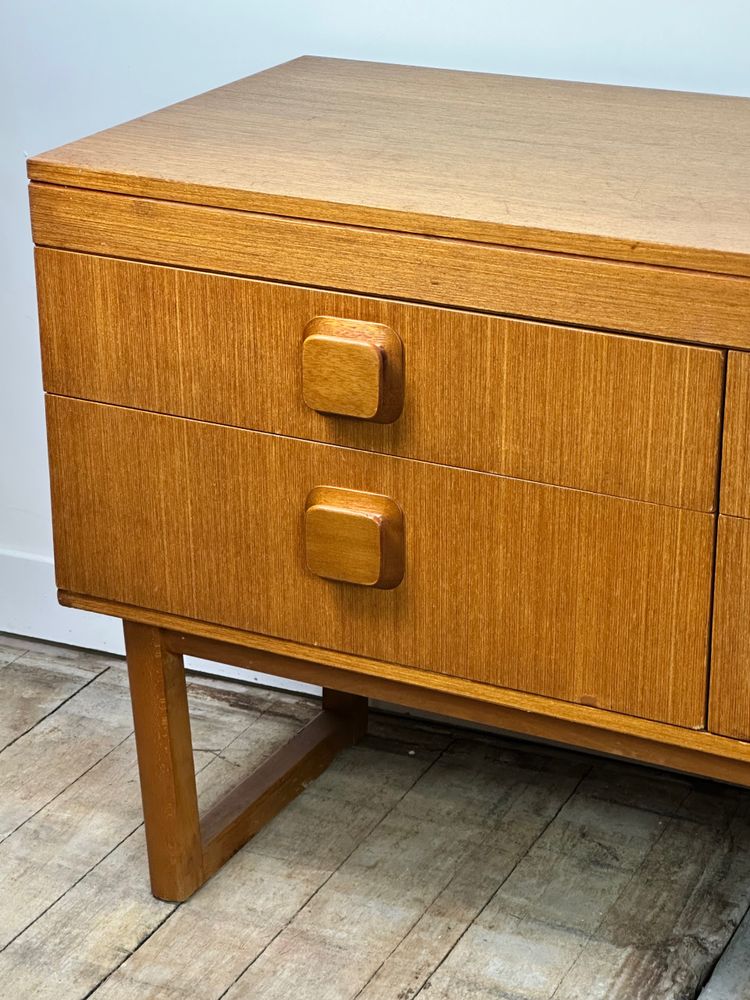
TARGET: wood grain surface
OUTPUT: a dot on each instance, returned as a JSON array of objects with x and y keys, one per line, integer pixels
[
  {"x": 47, "y": 681},
  {"x": 695, "y": 751},
  {"x": 352, "y": 368},
  {"x": 158, "y": 693},
  {"x": 355, "y": 537},
  {"x": 625, "y": 173},
  {"x": 735, "y": 468},
  {"x": 729, "y": 978},
  {"x": 729, "y": 709},
  {"x": 75, "y": 734},
  {"x": 577, "y": 596},
  {"x": 611, "y": 414},
  {"x": 665, "y": 302},
  {"x": 184, "y": 850},
  {"x": 618, "y": 734}
]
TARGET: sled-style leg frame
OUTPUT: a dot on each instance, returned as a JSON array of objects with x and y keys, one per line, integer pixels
[{"x": 185, "y": 849}]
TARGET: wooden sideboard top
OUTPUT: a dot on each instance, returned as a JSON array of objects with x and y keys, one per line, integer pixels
[{"x": 621, "y": 173}]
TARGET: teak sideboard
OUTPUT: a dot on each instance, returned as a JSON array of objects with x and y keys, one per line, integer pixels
[{"x": 424, "y": 386}]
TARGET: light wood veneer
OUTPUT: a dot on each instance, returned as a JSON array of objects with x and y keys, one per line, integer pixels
[
  {"x": 568, "y": 594},
  {"x": 506, "y": 479},
  {"x": 619, "y": 172},
  {"x": 735, "y": 478},
  {"x": 668, "y": 302},
  {"x": 354, "y": 537},
  {"x": 729, "y": 709},
  {"x": 695, "y": 751},
  {"x": 352, "y": 368},
  {"x": 621, "y": 415}
]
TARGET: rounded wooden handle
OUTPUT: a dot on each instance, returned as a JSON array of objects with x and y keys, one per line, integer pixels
[
  {"x": 354, "y": 537},
  {"x": 352, "y": 369}
]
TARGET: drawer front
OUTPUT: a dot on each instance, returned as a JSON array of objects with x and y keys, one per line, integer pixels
[
  {"x": 735, "y": 465},
  {"x": 611, "y": 414},
  {"x": 729, "y": 708},
  {"x": 577, "y": 596}
]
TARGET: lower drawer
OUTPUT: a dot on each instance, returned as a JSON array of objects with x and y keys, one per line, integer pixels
[
  {"x": 572, "y": 595},
  {"x": 729, "y": 708}
]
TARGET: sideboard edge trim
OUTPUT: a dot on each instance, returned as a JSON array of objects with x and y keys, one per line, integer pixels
[{"x": 657, "y": 743}]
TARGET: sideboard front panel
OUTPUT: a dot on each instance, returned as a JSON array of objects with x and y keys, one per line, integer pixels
[{"x": 573, "y": 595}]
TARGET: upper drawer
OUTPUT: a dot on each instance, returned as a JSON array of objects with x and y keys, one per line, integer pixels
[
  {"x": 612, "y": 414},
  {"x": 735, "y": 465}
]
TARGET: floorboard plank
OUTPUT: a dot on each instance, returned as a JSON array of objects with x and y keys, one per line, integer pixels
[
  {"x": 43, "y": 762},
  {"x": 382, "y": 891},
  {"x": 11, "y": 647},
  {"x": 207, "y": 943},
  {"x": 65, "y": 839},
  {"x": 662, "y": 935},
  {"x": 617, "y": 901},
  {"x": 36, "y": 679},
  {"x": 730, "y": 979},
  {"x": 426, "y": 862},
  {"x": 538, "y": 796},
  {"x": 90, "y": 929}
]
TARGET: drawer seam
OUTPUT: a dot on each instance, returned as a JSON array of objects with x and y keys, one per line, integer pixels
[{"x": 384, "y": 454}]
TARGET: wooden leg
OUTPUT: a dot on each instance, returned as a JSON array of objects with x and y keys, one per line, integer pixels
[
  {"x": 183, "y": 850},
  {"x": 165, "y": 761}
]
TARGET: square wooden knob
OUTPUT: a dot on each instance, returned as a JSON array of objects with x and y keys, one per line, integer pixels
[
  {"x": 354, "y": 537},
  {"x": 352, "y": 369}
]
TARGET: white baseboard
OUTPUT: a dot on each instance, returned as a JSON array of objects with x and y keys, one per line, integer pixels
[{"x": 28, "y": 607}]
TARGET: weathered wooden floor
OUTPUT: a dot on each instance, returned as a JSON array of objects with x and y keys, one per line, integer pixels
[{"x": 427, "y": 862}]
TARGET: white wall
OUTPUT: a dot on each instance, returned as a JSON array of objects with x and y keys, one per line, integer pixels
[{"x": 71, "y": 68}]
